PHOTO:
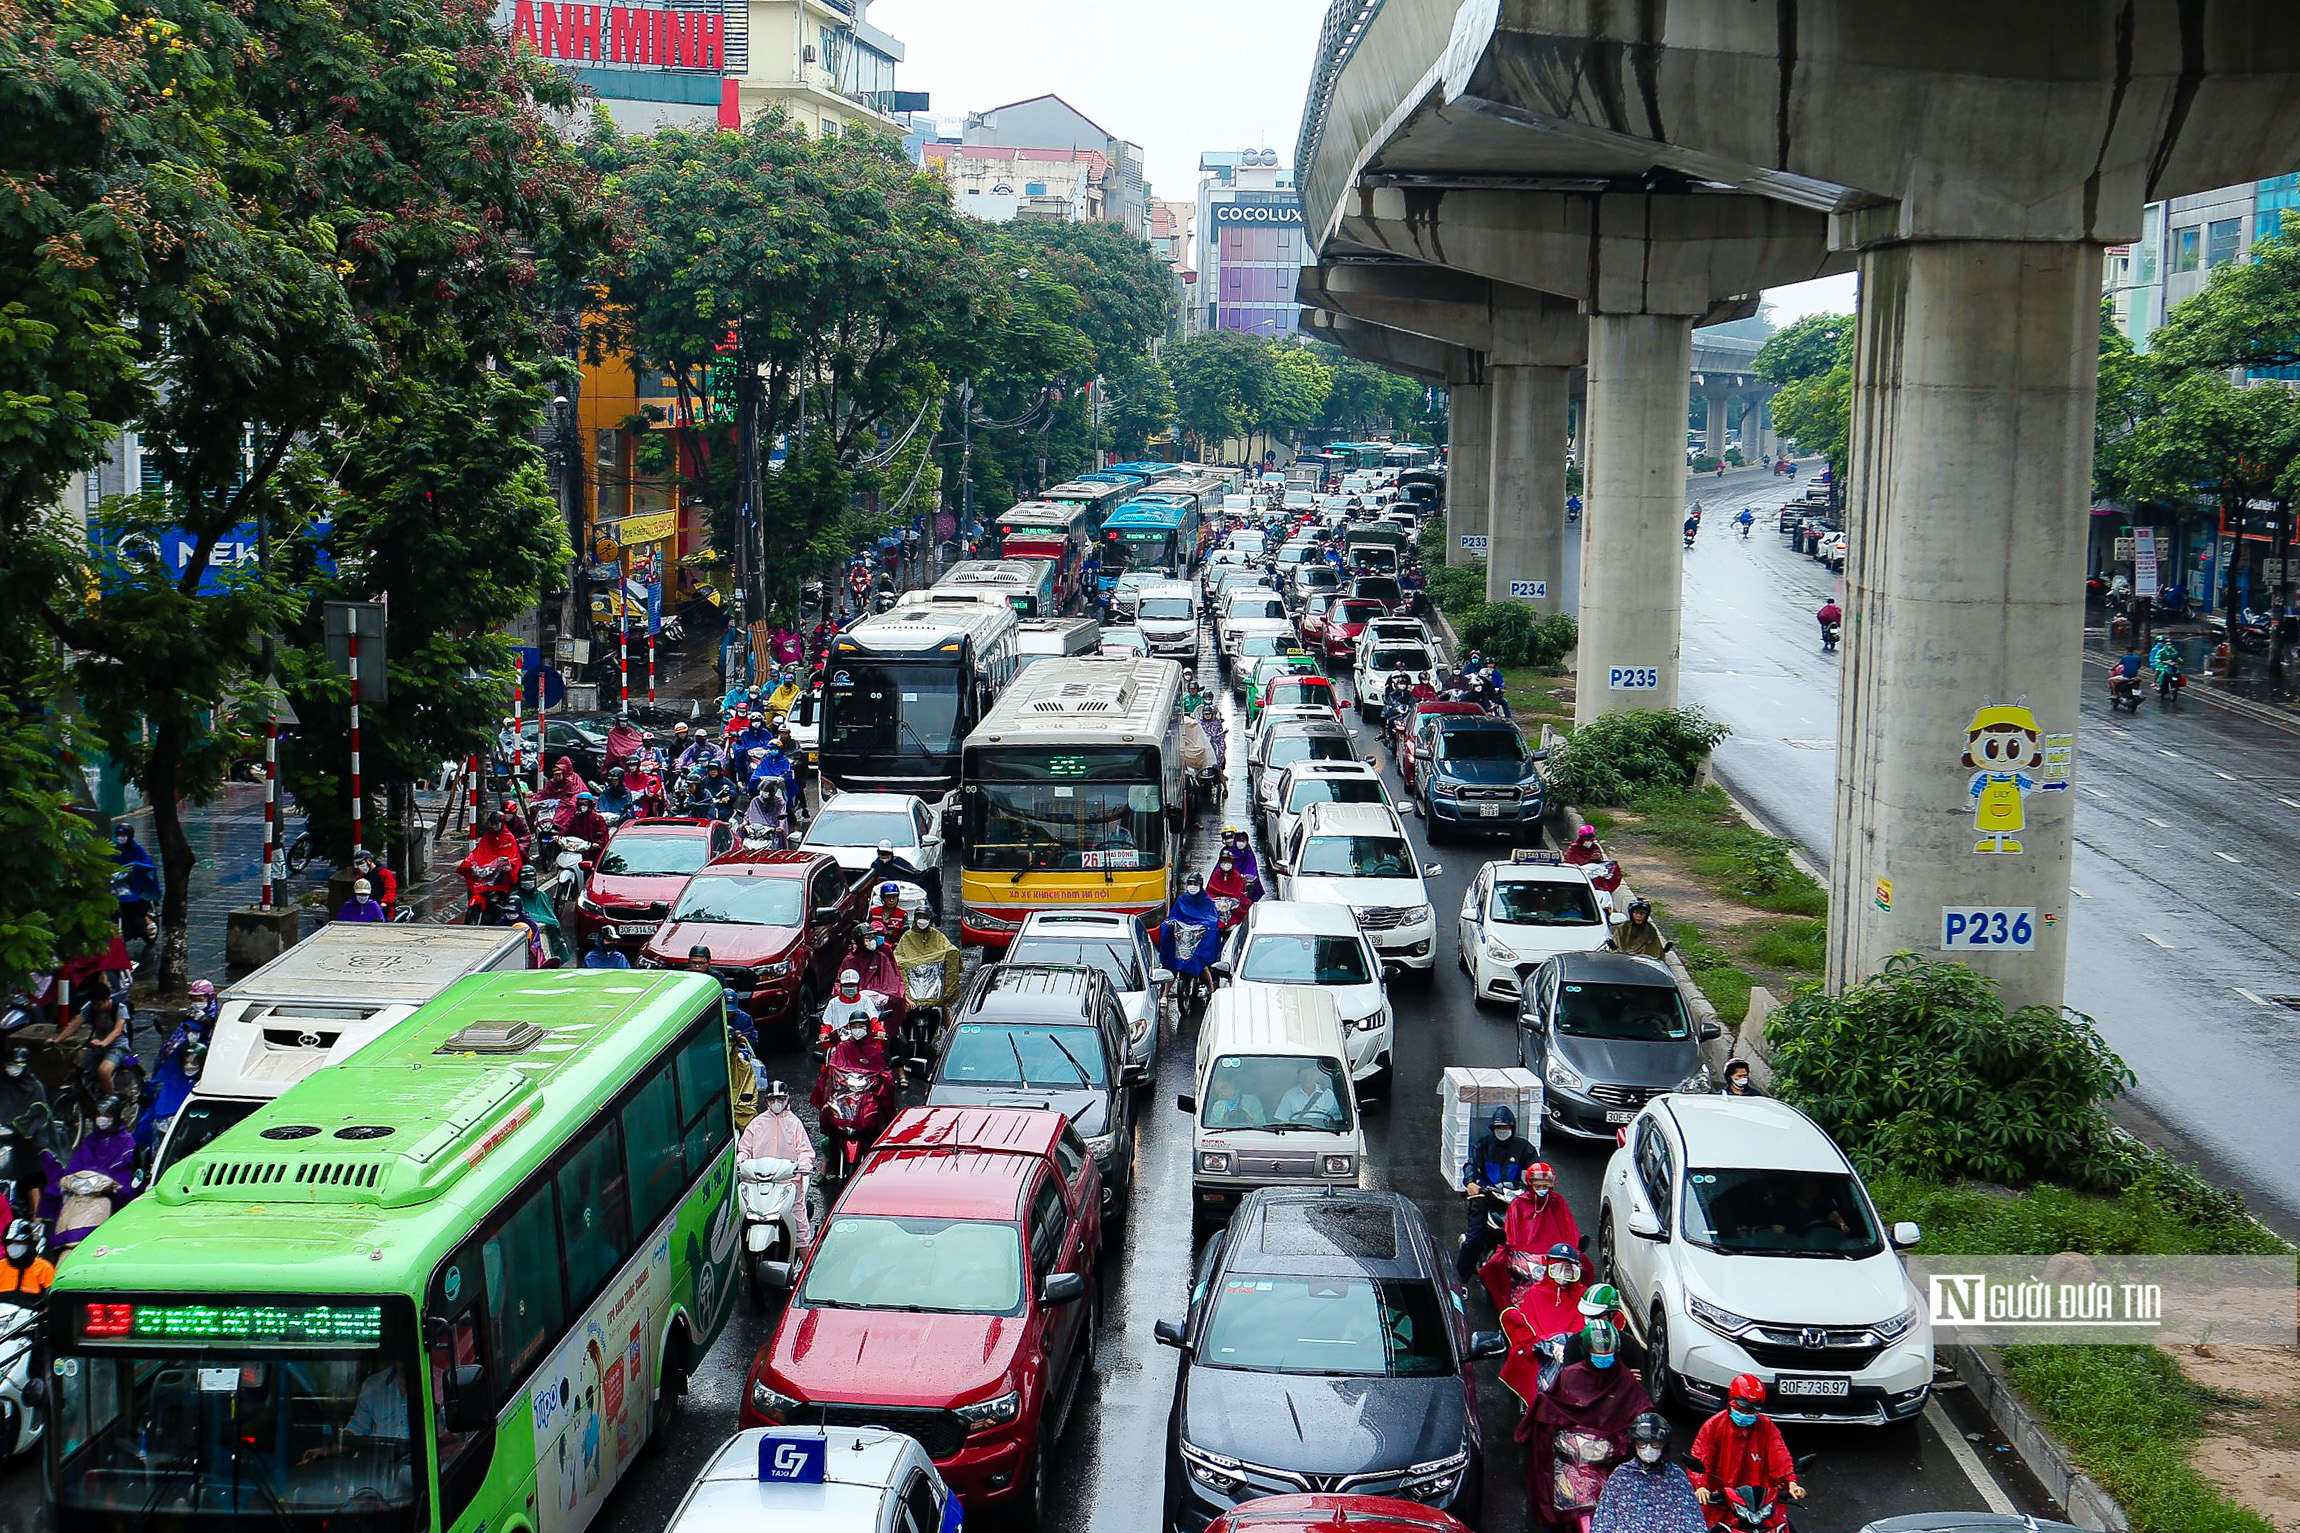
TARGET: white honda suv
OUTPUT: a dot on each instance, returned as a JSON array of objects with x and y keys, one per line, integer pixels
[{"x": 1743, "y": 1241}]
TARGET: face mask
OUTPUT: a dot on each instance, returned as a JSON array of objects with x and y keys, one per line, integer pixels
[
  {"x": 1601, "y": 1360},
  {"x": 1742, "y": 1418},
  {"x": 104, "y": 1125},
  {"x": 1226, "y": 865},
  {"x": 18, "y": 1253},
  {"x": 857, "y": 1034},
  {"x": 14, "y": 1071},
  {"x": 1502, "y": 1133},
  {"x": 1649, "y": 1453},
  {"x": 779, "y": 1106}
]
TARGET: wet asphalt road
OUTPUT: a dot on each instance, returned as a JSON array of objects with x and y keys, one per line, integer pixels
[
  {"x": 1112, "y": 1475},
  {"x": 2185, "y": 912}
]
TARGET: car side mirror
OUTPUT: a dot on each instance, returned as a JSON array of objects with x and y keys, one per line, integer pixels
[
  {"x": 1220, "y": 968},
  {"x": 1484, "y": 1344},
  {"x": 826, "y": 914},
  {"x": 1906, "y": 1233},
  {"x": 466, "y": 1405},
  {"x": 1643, "y": 1224},
  {"x": 1432, "y": 869},
  {"x": 1161, "y": 978},
  {"x": 916, "y": 1067},
  {"x": 1170, "y": 1334},
  {"x": 1062, "y": 1288},
  {"x": 1537, "y": 755},
  {"x": 1186, "y": 1102},
  {"x": 1711, "y": 1032}
]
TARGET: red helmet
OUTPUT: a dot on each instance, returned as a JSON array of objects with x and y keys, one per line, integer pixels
[
  {"x": 1747, "y": 1386},
  {"x": 1541, "y": 1171}
]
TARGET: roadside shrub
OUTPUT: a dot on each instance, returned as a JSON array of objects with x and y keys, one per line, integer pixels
[
  {"x": 1511, "y": 634},
  {"x": 1706, "y": 463},
  {"x": 1763, "y": 867},
  {"x": 1430, "y": 543},
  {"x": 1923, "y": 1071},
  {"x": 1458, "y": 590},
  {"x": 1611, "y": 759}
]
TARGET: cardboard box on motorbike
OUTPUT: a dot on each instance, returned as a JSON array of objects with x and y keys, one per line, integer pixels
[{"x": 1467, "y": 1097}]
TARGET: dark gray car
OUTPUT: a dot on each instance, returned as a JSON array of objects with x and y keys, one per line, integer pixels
[
  {"x": 1606, "y": 1031},
  {"x": 1325, "y": 1350}
]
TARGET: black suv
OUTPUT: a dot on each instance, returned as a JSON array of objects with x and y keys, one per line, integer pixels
[
  {"x": 1047, "y": 1036},
  {"x": 1325, "y": 1351},
  {"x": 1606, "y": 1032}
]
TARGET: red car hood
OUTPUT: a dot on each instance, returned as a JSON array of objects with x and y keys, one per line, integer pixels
[
  {"x": 881, "y": 1357},
  {"x": 635, "y": 888},
  {"x": 729, "y": 944}
]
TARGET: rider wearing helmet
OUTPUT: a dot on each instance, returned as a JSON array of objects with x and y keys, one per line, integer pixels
[
  {"x": 1636, "y": 933},
  {"x": 1578, "y": 1430},
  {"x": 1738, "y": 1446},
  {"x": 1648, "y": 1494},
  {"x": 1500, "y": 1158},
  {"x": 778, "y": 1134},
  {"x": 25, "y": 1275},
  {"x": 852, "y": 1006}
]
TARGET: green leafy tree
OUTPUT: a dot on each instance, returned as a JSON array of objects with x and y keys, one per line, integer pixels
[
  {"x": 1807, "y": 349},
  {"x": 2247, "y": 316},
  {"x": 1142, "y": 408},
  {"x": 1812, "y": 362},
  {"x": 1229, "y": 385},
  {"x": 1364, "y": 399}
]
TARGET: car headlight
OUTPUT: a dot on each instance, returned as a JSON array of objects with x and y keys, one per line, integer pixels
[
  {"x": 1217, "y": 1472},
  {"x": 1698, "y": 1083},
  {"x": 771, "y": 1403},
  {"x": 1214, "y": 1162},
  {"x": 997, "y": 1411},
  {"x": 1498, "y": 952},
  {"x": 585, "y": 903},
  {"x": 1339, "y": 1165},
  {"x": 1414, "y": 915},
  {"x": 1435, "y": 1480},
  {"x": 1723, "y": 1321},
  {"x": 1562, "y": 1075},
  {"x": 1373, "y": 1021},
  {"x": 1897, "y": 1327},
  {"x": 775, "y": 970},
  {"x": 1444, "y": 789}
]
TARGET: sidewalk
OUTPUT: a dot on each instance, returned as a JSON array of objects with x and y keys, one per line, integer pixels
[{"x": 2251, "y": 693}]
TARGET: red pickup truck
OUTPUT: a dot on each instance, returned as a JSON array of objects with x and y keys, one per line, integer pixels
[{"x": 951, "y": 1296}]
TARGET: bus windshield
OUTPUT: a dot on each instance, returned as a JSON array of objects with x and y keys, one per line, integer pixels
[
  {"x": 1095, "y": 809},
  {"x": 204, "y": 1418},
  {"x": 890, "y": 709},
  {"x": 1142, "y": 549}
]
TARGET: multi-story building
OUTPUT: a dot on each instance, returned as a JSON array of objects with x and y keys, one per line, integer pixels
[
  {"x": 1173, "y": 227},
  {"x": 823, "y": 63},
  {"x": 1049, "y": 123},
  {"x": 2182, "y": 241},
  {"x": 1250, "y": 244},
  {"x": 995, "y": 183},
  {"x": 652, "y": 65}
]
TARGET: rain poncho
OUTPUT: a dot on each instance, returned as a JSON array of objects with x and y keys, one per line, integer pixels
[
  {"x": 1197, "y": 910},
  {"x": 1595, "y": 1404},
  {"x": 1648, "y": 1498},
  {"x": 929, "y": 945}
]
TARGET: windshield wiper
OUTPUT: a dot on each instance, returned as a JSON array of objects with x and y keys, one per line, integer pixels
[
  {"x": 1083, "y": 1078},
  {"x": 1021, "y": 1070}
]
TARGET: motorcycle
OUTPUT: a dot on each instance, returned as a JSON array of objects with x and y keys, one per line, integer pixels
[
  {"x": 1757, "y": 1508},
  {"x": 925, "y": 998},
  {"x": 22, "y": 1416},
  {"x": 1193, "y": 956},
  {"x": 860, "y": 1103},
  {"x": 568, "y": 858},
  {"x": 1829, "y": 633},
  {"x": 491, "y": 890},
  {"x": 771, "y": 1191},
  {"x": 2123, "y": 692},
  {"x": 2169, "y": 681}
]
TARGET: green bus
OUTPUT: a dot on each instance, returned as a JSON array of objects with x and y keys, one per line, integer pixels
[{"x": 507, "y": 1224}]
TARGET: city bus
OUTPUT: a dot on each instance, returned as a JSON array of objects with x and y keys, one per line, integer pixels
[
  {"x": 507, "y": 1224},
  {"x": 1100, "y": 496},
  {"x": 1026, "y": 585},
  {"x": 1054, "y": 530},
  {"x": 1152, "y": 472},
  {"x": 902, "y": 689},
  {"x": 1073, "y": 796},
  {"x": 1149, "y": 537}
]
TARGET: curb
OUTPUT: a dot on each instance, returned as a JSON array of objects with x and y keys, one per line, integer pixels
[
  {"x": 2079, "y": 1494},
  {"x": 2258, "y": 712}
]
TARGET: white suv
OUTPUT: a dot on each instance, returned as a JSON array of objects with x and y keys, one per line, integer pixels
[
  {"x": 1743, "y": 1241},
  {"x": 1358, "y": 855}
]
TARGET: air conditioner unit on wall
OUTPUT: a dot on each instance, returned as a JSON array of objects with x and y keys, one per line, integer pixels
[{"x": 807, "y": 54}]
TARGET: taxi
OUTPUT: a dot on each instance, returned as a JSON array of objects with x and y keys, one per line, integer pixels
[
  {"x": 1522, "y": 911},
  {"x": 818, "y": 1480}
]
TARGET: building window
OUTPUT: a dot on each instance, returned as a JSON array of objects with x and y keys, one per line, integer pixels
[
  {"x": 2267, "y": 225},
  {"x": 2187, "y": 247},
  {"x": 2223, "y": 237},
  {"x": 2144, "y": 255}
]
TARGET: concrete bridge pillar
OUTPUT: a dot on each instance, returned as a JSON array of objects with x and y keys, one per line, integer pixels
[
  {"x": 1469, "y": 464},
  {"x": 1632, "y": 544},
  {"x": 1974, "y": 372},
  {"x": 1526, "y": 546}
]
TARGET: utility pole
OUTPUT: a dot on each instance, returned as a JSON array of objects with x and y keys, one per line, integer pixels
[{"x": 965, "y": 461}]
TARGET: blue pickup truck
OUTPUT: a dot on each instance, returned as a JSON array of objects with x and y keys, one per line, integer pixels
[{"x": 1478, "y": 775}]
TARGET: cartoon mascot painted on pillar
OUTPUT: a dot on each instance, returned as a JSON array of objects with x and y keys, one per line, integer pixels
[{"x": 2005, "y": 749}]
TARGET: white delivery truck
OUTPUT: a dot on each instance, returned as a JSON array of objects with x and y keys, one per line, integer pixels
[{"x": 318, "y": 1003}]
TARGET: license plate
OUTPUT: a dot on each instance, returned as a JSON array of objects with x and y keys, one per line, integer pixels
[
  {"x": 638, "y": 929},
  {"x": 1489, "y": 811},
  {"x": 1831, "y": 1388},
  {"x": 1619, "y": 1115}
]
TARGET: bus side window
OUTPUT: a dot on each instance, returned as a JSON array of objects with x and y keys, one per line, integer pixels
[
  {"x": 452, "y": 1340},
  {"x": 526, "y": 1308},
  {"x": 703, "y": 1106},
  {"x": 651, "y": 1143},
  {"x": 594, "y": 1210}
]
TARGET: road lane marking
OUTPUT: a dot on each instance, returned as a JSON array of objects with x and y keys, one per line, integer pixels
[
  {"x": 2248, "y": 995},
  {"x": 2224, "y": 776},
  {"x": 2079, "y": 893},
  {"x": 2153, "y": 820},
  {"x": 2096, "y": 793},
  {"x": 2287, "y": 803},
  {"x": 2159, "y": 941},
  {"x": 2161, "y": 751},
  {"x": 1969, "y": 1461},
  {"x": 2224, "y": 857}
]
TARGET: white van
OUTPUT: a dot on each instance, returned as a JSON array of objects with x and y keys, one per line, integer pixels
[
  {"x": 1274, "y": 1106},
  {"x": 1167, "y": 614},
  {"x": 319, "y": 1003}
]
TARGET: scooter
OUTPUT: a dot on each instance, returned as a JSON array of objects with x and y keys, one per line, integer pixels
[
  {"x": 1828, "y": 638},
  {"x": 90, "y": 1197},
  {"x": 859, "y": 1105},
  {"x": 770, "y": 1191},
  {"x": 2123, "y": 692},
  {"x": 568, "y": 858},
  {"x": 2169, "y": 681},
  {"x": 22, "y": 1417}
]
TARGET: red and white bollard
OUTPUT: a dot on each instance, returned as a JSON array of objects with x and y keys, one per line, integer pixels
[
  {"x": 357, "y": 792},
  {"x": 271, "y": 806}
]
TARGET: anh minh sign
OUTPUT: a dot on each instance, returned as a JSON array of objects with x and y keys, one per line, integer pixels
[{"x": 623, "y": 34}]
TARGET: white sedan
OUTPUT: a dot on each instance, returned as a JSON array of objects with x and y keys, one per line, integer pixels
[
  {"x": 851, "y": 825},
  {"x": 1522, "y": 912},
  {"x": 1378, "y": 662}
]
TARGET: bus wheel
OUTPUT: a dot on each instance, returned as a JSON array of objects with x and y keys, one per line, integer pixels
[{"x": 670, "y": 1387}]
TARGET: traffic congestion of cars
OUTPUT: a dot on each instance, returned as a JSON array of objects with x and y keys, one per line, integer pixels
[{"x": 936, "y": 1279}]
